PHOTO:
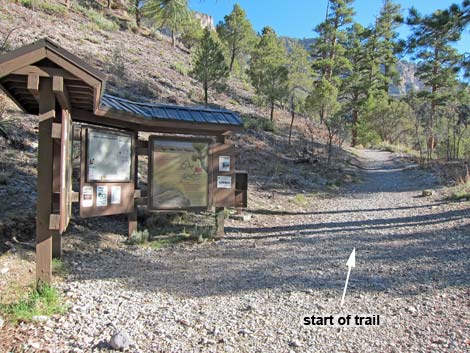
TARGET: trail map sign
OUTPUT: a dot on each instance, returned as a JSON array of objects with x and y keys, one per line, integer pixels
[
  {"x": 109, "y": 156},
  {"x": 179, "y": 173}
]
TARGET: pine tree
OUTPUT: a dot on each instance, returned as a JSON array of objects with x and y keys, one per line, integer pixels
[
  {"x": 209, "y": 62},
  {"x": 330, "y": 64},
  {"x": 386, "y": 35},
  {"x": 438, "y": 62},
  {"x": 236, "y": 32},
  {"x": 355, "y": 89},
  {"x": 171, "y": 14},
  {"x": 268, "y": 71},
  {"x": 300, "y": 80}
]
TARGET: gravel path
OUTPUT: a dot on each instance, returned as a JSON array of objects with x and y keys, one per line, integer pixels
[{"x": 250, "y": 291}]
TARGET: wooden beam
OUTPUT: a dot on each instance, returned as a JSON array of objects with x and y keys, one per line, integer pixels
[
  {"x": 33, "y": 84},
  {"x": 44, "y": 72},
  {"x": 19, "y": 61},
  {"x": 61, "y": 92},
  {"x": 44, "y": 181}
]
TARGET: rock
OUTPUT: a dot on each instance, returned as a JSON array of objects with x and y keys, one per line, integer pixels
[
  {"x": 427, "y": 193},
  {"x": 295, "y": 343},
  {"x": 4, "y": 270},
  {"x": 411, "y": 309},
  {"x": 245, "y": 331},
  {"x": 120, "y": 341},
  {"x": 1, "y": 322},
  {"x": 40, "y": 318}
]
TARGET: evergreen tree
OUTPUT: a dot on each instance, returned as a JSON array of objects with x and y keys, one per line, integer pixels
[
  {"x": 438, "y": 61},
  {"x": 300, "y": 80},
  {"x": 268, "y": 71},
  {"x": 330, "y": 64},
  {"x": 209, "y": 62},
  {"x": 355, "y": 89},
  {"x": 171, "y": 14},
  {"x": 236, "y": 32},
  {"x": 387, "y": 45}
]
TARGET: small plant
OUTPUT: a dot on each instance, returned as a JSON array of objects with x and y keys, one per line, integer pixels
[
  {"x": 101, "y": 21},
  {"x": 59, "y": 267},
  {"x": 300, "y": 199},
  {"x": 139, "y": 237},
  {"x": 181, "y": 68},
  {"x": 43, "y": 300},
  {"x": 167, "y": 241}
]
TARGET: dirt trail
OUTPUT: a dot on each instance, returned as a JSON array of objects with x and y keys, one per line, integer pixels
[{"x": 250, "y": 291}]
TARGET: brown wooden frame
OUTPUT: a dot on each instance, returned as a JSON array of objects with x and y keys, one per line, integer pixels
[{"x": 127, "y": 188}]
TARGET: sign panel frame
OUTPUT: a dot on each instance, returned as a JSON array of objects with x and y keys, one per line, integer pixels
[
  {"x": 99, "y": 206},
  {"x": 151, "y": 151}
]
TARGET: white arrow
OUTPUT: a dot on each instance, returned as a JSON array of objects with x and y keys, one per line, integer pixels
[{"x": 351, "y": 263}]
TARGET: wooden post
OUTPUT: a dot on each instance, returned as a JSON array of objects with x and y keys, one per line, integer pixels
[
  {"x": 56, "y": 236},
  {"x": 132, "y": 217},
  {"x": 132, "y": 221},
  {"x": 44, "y": 182},
  {"x": 220, "y": 211}
]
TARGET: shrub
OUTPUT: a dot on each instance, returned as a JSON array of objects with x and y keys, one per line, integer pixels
[
  {"x": 45, "y": 6},
  {"x": 181, "y": 68},
  {"x": 138, "y": 237},
  {"x": 43, "y": 300},
  {"x": 255, "y": 123},
  {"x": 101, "y": 21}
]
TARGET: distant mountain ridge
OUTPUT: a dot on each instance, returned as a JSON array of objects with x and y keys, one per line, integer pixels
[{"x": 407, "y": 81}]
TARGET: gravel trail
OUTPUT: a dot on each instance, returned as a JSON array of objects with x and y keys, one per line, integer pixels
[{"x": 250, "y": 291}]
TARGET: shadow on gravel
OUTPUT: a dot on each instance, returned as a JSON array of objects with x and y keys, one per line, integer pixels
[
  {"x": 290, "y": 213},
  {"x": 332, "y": 227},
  {"x": 397, "y": 264}
]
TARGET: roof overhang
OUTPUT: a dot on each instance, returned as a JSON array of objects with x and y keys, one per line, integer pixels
[{"x": 79, "y": 88}]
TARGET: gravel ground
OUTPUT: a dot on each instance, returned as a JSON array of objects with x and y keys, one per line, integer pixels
[{"x": 250, "y": 291}]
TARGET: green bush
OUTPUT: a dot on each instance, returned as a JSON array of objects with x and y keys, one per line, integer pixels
[
  {"x": 138, "y": 237},
  {"x": 101, "y": 21},
  {"x": 181, "y": 68},
  {"x": 259, "y": 124},
  {"x": 43, "y": 300},
  {"x": 45, "y": 6}
]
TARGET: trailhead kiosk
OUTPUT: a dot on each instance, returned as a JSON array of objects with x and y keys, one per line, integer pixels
[{"x": 190, "y": 165}]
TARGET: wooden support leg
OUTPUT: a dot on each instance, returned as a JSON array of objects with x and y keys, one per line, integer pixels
[
  {"x": 132, "y": 219},
  {"x": 219, "y": 222},
  {"x": 57, "y": 245},
  {"x": 44, "y": 195},
  {"x": 56, "y": 237}
]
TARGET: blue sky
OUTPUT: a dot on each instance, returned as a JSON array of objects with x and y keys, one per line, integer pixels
[{"x": 297, "y": 18}]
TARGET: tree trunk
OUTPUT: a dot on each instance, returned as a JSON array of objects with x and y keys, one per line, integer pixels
[
  {"x": 272, "y": 110},
  {"x": 291, "y": 124},
  {"x": 173, "y": 38},
  {"x": 137, "y": 13},
  {"x": 232, "y": 59},
  {"x": 354, "y": 127},
  {"x": 109, "y": 4},
  {"x": 205, "y": 94}
]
